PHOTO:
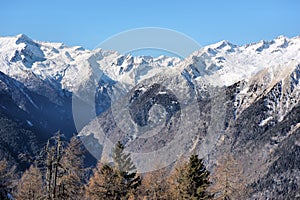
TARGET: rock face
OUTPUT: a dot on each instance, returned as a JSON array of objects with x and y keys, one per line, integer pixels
[
  {"x": 264, "y": 137},
  {"x": 242, "y": 100},
  {"x": 265, "y": 142}
]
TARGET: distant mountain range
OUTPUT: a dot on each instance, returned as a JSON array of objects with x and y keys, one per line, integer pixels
[{"x": 242, "y": 100}]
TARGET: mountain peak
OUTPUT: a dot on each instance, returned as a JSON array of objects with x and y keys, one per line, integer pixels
[
  {"x": 222, "y": 45},
  {"x": 22, "y": 38},
  {"x": 281, "y": 37},
  {"x": 22, "y": 35}
]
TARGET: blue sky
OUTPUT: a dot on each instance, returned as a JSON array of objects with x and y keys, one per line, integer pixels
[{"x": 87, "y": 23}]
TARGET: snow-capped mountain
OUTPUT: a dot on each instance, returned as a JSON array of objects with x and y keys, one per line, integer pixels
[
  {"x": 229, "y": 63},
  {"x": 69, "y": 67},
  {"x": 59, "y": 65},
  {"x": 61, "y": 70},
  {"x": 249, "y": 94}
]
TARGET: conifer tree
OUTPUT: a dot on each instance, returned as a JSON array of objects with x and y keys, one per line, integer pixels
[
  {"x": 31, "y": 187},
  {"x": 119, "y": 181},
  {"x": 175, "y": 179},
  {"x": 228, "y": 181},
  {"x": 126, "y": 170},
  {"x": 64, "y": 169},
  {"x": 7, "y": 177},
  {"x": 190, "y": 180},
  {"x": 72, "y": 180},
  {"x": 104, "y": 184},
  {"x": 155, "y": 185},
  {"x": 63, "y": 173}
]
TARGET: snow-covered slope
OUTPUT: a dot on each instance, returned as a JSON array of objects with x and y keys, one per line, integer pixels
[
  {"x": 224, "y": 63},
  {"x": 56, "y": 71},
  {"x": 249, "y": 94},
  {"x": 68, "y": 67}
]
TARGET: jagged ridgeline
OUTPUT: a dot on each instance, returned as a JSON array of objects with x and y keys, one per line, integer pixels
[{"x": 247, "y": 100}]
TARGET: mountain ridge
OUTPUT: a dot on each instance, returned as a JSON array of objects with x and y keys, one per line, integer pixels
[{"x": 222, "y": 98}]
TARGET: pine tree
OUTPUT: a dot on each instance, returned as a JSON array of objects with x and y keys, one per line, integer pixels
[
  {"x": 228, "y": 181},
  {"x": 198, "y": 177},
  {"x": 7, "y": 177},
  {"x": 126, "y": 171},
  {"x": 190, "y": 180},
  {"x": 104, "y": 184},
  {"x": 119, "y": 181},
  {"x": 31, "y": 187}
]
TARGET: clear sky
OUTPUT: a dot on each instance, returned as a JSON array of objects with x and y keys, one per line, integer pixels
[{"x": 87, "y": 23}]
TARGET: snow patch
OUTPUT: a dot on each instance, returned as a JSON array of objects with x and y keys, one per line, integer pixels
[
  {"x": 29, "y": 123},
  {"x": 265, "y": 121}
]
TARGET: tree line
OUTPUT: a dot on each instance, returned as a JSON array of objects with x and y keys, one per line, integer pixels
[{"x": 58, "y": 173}]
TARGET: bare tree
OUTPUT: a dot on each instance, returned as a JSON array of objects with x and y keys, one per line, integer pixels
[
  {"x": 7, "y": 179},
  {"x": 31, "y": 187},
  {"x": 71, "y": 183},
  {"x": 53, "y": 166},
  {"x": 155, "y": 185},
  {"x": 228, "y": 181}
]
